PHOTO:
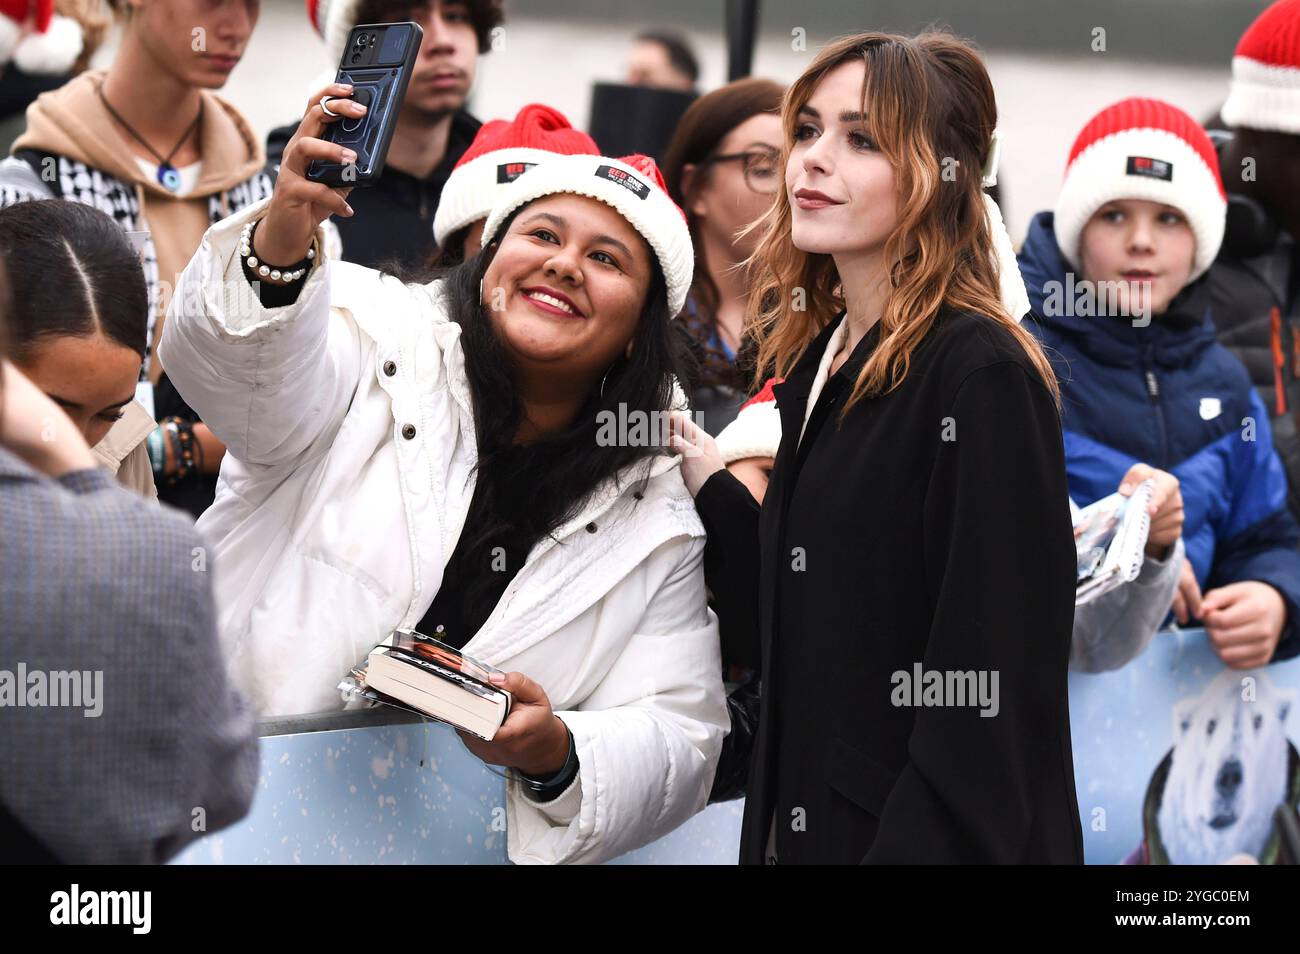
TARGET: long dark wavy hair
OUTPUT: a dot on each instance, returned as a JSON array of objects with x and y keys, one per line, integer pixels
[{"x": 525, "y": 492}]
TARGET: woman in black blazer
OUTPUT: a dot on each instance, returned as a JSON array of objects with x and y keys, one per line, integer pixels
[{"x": 906, "y": 590}]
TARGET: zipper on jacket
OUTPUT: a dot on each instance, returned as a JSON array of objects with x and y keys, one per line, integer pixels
[{"x": 1153, "y": 392}]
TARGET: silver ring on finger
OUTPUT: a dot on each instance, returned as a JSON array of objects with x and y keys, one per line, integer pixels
[{"x": 324, "y": 105}]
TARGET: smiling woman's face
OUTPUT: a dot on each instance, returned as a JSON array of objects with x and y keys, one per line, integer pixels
[{"x": 567, "y": 287}]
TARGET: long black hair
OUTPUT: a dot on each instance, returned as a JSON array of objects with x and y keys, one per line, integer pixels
[
  {"x": 72, "y": 273},
  {"x": 525, "y": 491}
]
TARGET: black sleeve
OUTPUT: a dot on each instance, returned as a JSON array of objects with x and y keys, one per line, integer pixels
[
  {"x": 274, "y": 295},
  {"x": 999, "y": 566},
  {"x": 731, "y": 562}
]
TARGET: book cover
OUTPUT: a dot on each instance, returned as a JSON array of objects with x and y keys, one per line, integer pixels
[{"x": 427, "y": 657}]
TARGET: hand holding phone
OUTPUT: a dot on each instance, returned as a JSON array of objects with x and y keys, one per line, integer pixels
[
  {"x": 377, "y": 63},
  {"x": 298, "y": 204},
  {"x": 343, "y": 139}
]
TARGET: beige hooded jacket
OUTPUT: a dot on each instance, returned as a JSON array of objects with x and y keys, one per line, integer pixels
[{"x": 72, "y": 121}]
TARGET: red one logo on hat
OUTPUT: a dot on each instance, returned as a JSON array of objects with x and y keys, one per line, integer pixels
[
  {"x": 1151, "y": 168},
  {"x": 625, "y": 179}
]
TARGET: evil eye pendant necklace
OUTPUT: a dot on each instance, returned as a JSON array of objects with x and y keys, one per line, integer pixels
[{"x": 168, "y": 176}]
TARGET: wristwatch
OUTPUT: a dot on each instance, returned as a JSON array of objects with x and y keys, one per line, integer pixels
[{"x": 544, "y": 789}]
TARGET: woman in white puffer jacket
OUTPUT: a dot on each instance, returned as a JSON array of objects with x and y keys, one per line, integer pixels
[{"x": 388, "y": 438}]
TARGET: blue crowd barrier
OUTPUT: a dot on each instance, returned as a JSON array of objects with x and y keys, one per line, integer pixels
[
  {"x": 373, "y": 787},
  {"x": 381, "y": 787}
]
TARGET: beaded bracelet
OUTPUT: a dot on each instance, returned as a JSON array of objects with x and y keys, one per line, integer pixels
[
  {"x": 286, "y": 275},
  {"x": 181, "y": 436},
  {"x": 546, "y": 789},
  {"x": 198, "y": 450}
]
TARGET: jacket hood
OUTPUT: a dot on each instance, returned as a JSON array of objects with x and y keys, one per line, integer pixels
[
  {"x": 1172, "y": 339},
  {"x": 71, "y": 121}
]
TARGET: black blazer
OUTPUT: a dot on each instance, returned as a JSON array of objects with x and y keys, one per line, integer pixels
[{"x": 931, "y": 529}]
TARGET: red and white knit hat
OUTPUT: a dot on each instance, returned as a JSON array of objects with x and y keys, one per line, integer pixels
[
  {"x": 1265, "y": 90},
  {"x": 502, "y": 151},
  {"x": 1143, "y": 149},
  {"x": 633, "y": 186},
  {"x": 756, "y": 430},
  {"x": 38, "y": 40},
  {"x": 333, "y": 20}
]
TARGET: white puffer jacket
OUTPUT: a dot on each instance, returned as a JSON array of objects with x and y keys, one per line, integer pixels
[{"x": 349, "y": 473}]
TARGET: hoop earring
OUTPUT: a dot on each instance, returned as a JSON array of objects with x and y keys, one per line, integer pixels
[{"x": 604, "y": 379}]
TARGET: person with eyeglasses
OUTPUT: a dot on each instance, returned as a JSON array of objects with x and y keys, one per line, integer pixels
[{"x": 723, "y": 167}]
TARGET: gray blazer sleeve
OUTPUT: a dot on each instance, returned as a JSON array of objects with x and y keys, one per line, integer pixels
[
  {"x": 98, "y": 584},
  {"x": 1116, "y": 627}
]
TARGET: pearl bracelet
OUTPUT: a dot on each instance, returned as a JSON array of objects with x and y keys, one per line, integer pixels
[{"x": 287, "y": 275}]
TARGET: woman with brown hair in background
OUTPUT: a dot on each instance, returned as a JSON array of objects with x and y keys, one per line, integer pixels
[{"x": 723, "y": 168}]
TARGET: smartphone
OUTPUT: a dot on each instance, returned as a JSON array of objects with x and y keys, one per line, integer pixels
[{"x": 377, "y": 62}]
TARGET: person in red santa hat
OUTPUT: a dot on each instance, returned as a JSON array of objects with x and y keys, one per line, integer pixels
[
  {"x": 1252, "y": 289},
  {"x": 39, "y": 53},
  {"x": 503, "y": 150},
  {"x": 164, "y": 175},
  {"x": 36, "y": 39},
  {"x": 454, "y": 454}
]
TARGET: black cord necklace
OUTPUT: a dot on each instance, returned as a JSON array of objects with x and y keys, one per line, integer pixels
[{"x": 168, "y": 177}]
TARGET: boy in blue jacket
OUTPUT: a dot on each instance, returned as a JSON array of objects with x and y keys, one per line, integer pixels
[{"x": 1112, "y": 277}]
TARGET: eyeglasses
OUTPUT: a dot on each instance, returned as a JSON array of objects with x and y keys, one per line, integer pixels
[{"x": 762, "y": 168}]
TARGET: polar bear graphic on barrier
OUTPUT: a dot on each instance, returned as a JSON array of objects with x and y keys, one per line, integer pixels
[{"x": 1228, "y": 769}]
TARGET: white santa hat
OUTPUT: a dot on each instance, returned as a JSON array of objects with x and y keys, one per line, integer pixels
[
  {"x": 755, "y": 431},
  {"x": 1143, "y": 149},
  {"x": 633, "y": 186},
  {"x": 1265, "y": 90},
  {"x": 333, "y": 20},
  {"x": 502, "y": 150},
  {"x": 36, "y": 39}
]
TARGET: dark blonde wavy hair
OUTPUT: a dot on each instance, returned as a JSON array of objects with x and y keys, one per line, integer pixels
[{"x": 925, "y": 99}]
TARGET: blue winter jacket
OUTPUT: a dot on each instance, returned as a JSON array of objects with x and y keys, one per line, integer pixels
[{"x": 1171, "y": 396}]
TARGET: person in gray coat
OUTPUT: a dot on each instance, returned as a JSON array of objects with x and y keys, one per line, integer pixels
[{"x": 121, "y": 738}]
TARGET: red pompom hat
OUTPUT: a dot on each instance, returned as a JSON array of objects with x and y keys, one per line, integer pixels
[
  {"x": 1265, "y": 90},
  {"x": 37, "y": 40},
  {"x": 502, "y": 151}
]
